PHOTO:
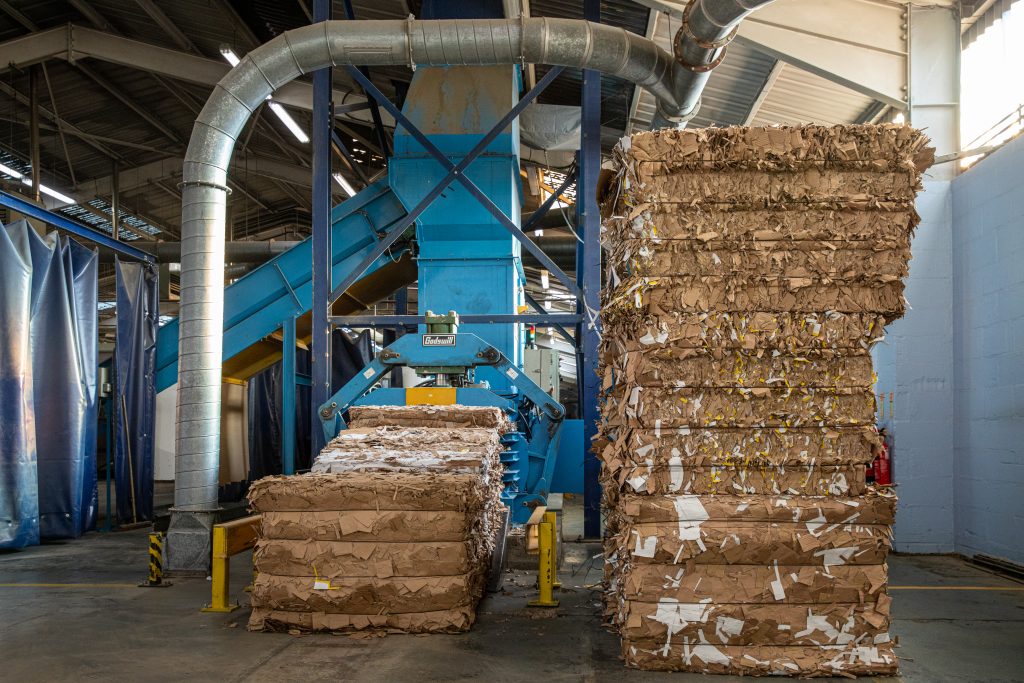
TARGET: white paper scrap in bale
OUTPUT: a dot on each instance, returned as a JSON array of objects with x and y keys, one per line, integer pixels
[{"x": 393, "y": 529}]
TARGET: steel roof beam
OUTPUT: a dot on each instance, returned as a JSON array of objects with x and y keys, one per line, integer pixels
[
  {"x": 72, "y": 42},
  {"x": 168, "y": 26}
]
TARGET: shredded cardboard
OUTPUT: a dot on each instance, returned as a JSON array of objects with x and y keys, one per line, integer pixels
[
  {"x": 393, "y": 529},
  {"x": 749, "y": 273}
]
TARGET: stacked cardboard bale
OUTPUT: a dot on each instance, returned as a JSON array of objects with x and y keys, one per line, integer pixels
[
  {"x": 749, "y": 272},
  {"x": 391, "y": 531}
]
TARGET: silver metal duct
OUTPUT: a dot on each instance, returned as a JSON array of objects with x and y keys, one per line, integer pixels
[
  {"x": 565, "y": 42},
  {"x": 700, "y": 45}
]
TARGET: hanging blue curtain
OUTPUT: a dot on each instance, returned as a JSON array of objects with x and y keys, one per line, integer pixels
[
  {"x": 56, "y": 433},
  {"x": 19, "y": 497},
  {"x": 135, "y": 399}
]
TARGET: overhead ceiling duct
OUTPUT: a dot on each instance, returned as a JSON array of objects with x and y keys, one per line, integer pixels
[
  {"x": 700, "y": 45},
  {"x": 564, "y": 42}
]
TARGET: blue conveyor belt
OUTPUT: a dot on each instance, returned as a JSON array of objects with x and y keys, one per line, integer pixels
[{"x": 256, "y": 304}]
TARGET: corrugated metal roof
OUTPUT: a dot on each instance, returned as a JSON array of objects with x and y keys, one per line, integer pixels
[{"x": 796, "y": 96}]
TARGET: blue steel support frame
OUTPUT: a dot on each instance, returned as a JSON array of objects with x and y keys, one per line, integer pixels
[
  {"x": 24, "y": 206},
  {"x": 588, "y": 274},
  {"x": 288, "y": 382},
  {"x": 321, "y": 252},
  {"x": 455, "y": 172}
]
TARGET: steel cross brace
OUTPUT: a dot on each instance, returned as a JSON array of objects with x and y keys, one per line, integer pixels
[
  {"x": 64, "y": 223},
  {"x": 455, "y": 172},
  {"x": 538, "y": 215}
]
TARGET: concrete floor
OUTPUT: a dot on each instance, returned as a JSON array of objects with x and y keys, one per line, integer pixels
[{"x": 71, "y": 611}]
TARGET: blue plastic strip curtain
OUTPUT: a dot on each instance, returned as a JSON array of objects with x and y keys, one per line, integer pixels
[
  {"x": 56, "y": 434},
  {"x": 19, "y": 498},
  {"x": 349, "y": 355},
  {"x": 135, "y": 398}
]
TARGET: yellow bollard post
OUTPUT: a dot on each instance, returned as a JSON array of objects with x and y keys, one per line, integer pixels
[
  {"x": 219, "y": 576},
  {"x": 546, "y": 570},
  {"x": 551, "y": 517},
  {"x": 156, "y": 563}
]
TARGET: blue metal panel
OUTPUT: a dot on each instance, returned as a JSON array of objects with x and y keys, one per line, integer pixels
[
  {"x": 568, "y": 476},
  {"x": 255, "y": 305},
  {"x": 467, "y": 262}
]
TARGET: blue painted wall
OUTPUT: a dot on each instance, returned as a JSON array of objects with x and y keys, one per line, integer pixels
[
  {"x": 988, "y": 271},
  {"x": 916, "y": 364},
  {"x": 956, "y": 365}
]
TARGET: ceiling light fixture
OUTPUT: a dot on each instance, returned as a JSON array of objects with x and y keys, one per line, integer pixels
[{"x": 340, "y": 179}]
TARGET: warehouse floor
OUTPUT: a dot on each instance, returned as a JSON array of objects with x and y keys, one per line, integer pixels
[{"x": 71, "y": 611}]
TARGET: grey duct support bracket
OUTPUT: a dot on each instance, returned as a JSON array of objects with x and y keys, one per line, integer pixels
[{"x": 468, "y": 42}]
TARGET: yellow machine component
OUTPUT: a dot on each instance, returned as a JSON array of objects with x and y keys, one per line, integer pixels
[
  {"x": 430, "y": 396},
  {"x": 547, "y": 572},
  {"x": 229, "y": 539}
]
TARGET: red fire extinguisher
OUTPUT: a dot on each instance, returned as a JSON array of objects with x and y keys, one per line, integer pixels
[{"x": 882, "y": 467}]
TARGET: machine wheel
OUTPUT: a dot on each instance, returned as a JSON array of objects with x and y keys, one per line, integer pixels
[{"x": 496, "y": 575}]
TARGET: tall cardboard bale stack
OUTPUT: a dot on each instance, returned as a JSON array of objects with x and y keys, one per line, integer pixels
[
  {"x": 750, "y": 270},
  {"x": 391, "y": 531}
]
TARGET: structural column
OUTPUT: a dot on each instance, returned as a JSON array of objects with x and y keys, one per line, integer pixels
[
  {"x": 588, "y": 276},
  {"x": 321, "y": 343}
]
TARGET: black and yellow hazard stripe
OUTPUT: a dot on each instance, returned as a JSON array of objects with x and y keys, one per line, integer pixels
[{"x": 156, "y": 559}]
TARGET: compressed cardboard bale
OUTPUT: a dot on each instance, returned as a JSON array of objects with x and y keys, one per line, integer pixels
[
  {"x": 440, "y": 621},
  {"x": 741, "y": 369},
  {"x": 807, "y": 186},
  {"x": 651, "y": 407},
  {"x": 770, "y": 293},
  {"x": 729, "y": 542},
  {"x": 775, "y": 583},
  {"x": 881, "y": 147},
  {"x": 666, "y": 623},
  {"x": 827, "y": 480},
  {"x": 877, "y": 507},
  {"x": 365, "y": 595},
  {"x": 749, "y": 272},
  {"x": 722, "y": 333},
  {"x": 367, "y": 525},
  {"x": 865, "y": 221},
  {"x": 836, "y": 259},
  {"x": 862, "y": 658},
  {"x": 734, "y": 446},
  {"x": 337, "y": 559},
  {"x": 367, "y": 491},
  {"x": 443, "y": 417},
  {"x": 393, "y": 529}
]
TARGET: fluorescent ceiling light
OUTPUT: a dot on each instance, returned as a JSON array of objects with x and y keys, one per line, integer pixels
[
  {"x": 289, "y": 122},
  {"x": 230, "y": 55},
  {"x": 899, "y": 119},
  {"x": 545, "y": 279},
  {"x": 547, "y": 304},
  {"x": 340, "y": 179},
  {"x": 10, "y": 171},
  {"x": 278, "y": 110},
  {"x": 53, "y": 193}
]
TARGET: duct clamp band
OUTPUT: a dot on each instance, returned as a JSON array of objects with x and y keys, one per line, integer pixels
[
  {"x": 204, "y": 183},
  {"x": 409, "y": 21}
]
